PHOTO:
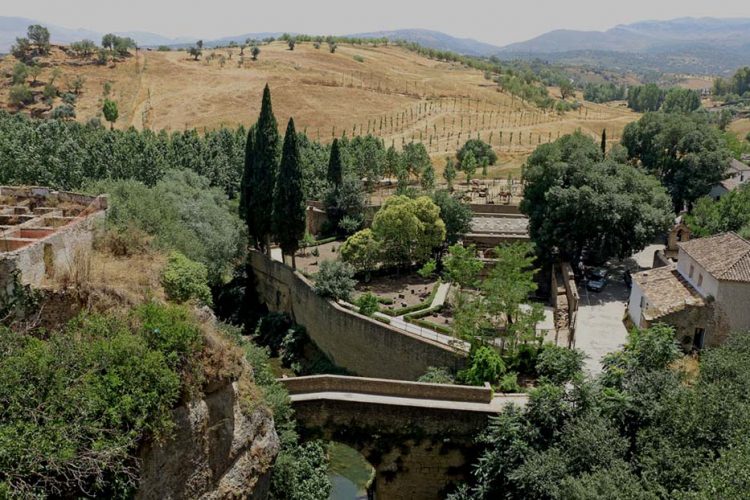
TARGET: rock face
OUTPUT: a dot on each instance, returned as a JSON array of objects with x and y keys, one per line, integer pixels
[{"x": 220, "y": 449}]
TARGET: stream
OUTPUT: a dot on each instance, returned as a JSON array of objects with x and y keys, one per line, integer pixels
[{"x": 349, "y": 472}]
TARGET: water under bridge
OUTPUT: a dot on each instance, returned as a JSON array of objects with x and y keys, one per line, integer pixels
[{"x": 420, "y": 438}]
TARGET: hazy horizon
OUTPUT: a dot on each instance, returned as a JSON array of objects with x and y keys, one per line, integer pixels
[{"x": 498, "y": 24}]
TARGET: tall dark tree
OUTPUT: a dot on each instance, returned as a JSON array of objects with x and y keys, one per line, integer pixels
[
  {"x": 604, "y": 142},
  {"x": 261, "y": 164},
  {"x": 335, "y": 167},
  {"x": 288, "y": 203}
]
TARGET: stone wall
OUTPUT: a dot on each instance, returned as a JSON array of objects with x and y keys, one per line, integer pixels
[
  {"x": 486, "y": 208},
  {"x": 357, "y": 343},
  {"x": 734, "y": 299},
  {"x": 384, "y": 387}
]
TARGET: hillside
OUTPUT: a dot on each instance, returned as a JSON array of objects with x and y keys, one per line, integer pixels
[{"x": 393, "y": 93}]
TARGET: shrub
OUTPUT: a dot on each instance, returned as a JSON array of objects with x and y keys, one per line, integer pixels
[
  {"x": 358, "y": 58},
  {"x": 428, "y": 269},
  {"x": 181, "y": 212},
  {"x": 350, "y": 224},
  {"x": 335, "y": 280},
  {"x": 85, "y": 398},
  {"x": 509, "y": 383},
  {"x": 63, "y": 112},
  {"x": 368, "y": 304},
  {"x": 184, "y": 280},
  {"x": 486, "y": 366},
  {"x": 20, "y": 95},
  {"x": 559, "y": 364},
  {"x": 435, "y": 375}
]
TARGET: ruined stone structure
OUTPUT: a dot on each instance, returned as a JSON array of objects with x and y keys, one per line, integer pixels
[
  {"x": 493, "y": 225},
  {"x": 420, "y": 438},
  {"x": 360, "y": 344},
  {"x": 43, "y": 233},
  {"x": 565, "y": 299}
]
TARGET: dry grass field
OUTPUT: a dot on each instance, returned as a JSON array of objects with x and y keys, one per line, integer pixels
[{"x": 387, "y": 91}]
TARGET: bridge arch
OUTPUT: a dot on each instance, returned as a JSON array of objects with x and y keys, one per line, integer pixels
[{"x": 420, "y": 438}]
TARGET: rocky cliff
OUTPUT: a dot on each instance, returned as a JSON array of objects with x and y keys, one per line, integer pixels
[{"x": 221, "y": 448}]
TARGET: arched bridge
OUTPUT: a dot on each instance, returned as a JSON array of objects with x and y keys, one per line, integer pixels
[{"x": 420, "y": 438}]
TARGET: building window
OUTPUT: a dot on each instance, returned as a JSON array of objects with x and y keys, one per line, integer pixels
[
  {"x": 700, "y": 280},
  {"x": 643, "y": 301},
  {"x": 692, "y": 270}
]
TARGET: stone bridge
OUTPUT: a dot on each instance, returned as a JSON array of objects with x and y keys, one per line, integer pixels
[{"x": 420, "y": 438}]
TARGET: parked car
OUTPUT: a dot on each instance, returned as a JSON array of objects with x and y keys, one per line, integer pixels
[{"x": 597, "y": 279}]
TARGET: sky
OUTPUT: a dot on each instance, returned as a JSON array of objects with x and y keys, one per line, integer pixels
[{"x": 493, "y": 21}]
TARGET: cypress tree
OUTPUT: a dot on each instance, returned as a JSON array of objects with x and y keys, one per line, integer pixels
[
  {"x": 288, "y": 203},
  {"x": 246, "y": 176},
  {"x": 604, "y": 142},
  {"x": 335, "y": 173},
  {"x": 263, "y": 155}
]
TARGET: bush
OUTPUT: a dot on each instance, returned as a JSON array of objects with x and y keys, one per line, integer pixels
[
  {"x": 184, "y": 280},
  {"x": 335, "y": 280},
  {"x": 509, "y": 383},
  {"x": 486, "y": 366},
  {"x": 63, "y": 112},
  {"x": 435, "y": 375},
  {"x": 77, "y": 404},
  {"x": 368, "y": 304},
  {"x": 559, "y": 364},
  {"x": 20, "y": 95},
  {"x": 358, "y": 58},
  {"x": 350, "y": 224},
  {"x": 183, "y": 213},
  {"x": 428, "y": 269}
]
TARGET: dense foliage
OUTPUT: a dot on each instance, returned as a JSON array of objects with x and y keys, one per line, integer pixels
[
  {"x": 603, "y": 92},
  {"x": 683, "y": 151},
  {"x": 300, "y": 471},
  {"x": 633, "y": 432},
  {"x": 180, "y": 212},
  {"x": 730, "y": 213},
  {"x": 77, "y": 404},
  {"x": 577, "y": 200},
  {"x": 184, "y": 280}
]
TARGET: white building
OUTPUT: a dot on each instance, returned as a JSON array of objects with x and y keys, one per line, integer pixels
[
  {"x": 704, "y": 296},
  {"x": 738, "y": 174}
]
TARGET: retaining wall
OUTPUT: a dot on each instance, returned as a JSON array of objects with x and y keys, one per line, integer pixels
[{"x": 357, "y": 343}]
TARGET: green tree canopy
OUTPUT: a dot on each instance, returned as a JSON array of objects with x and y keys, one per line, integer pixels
[
  {"x": 408, "y": 229},
  {"x": 683, "y": 151},
  {"x": 730, "y": 213},
  {"x": 576, "y": 201},
  {"x": 480, "y": 149}
]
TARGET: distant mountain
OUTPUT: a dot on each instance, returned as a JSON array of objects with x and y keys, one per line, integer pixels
[
  {"x": 13, "y": 27},
  {"x": 643, "y": 36},
  {"x": 435, "y": 40},
  {"x": 700, "y": 45}
]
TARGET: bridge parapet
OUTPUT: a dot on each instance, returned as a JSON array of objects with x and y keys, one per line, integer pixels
[{"x": 386, "y": 387}]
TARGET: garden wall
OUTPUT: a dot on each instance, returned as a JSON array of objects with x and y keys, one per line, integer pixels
[{"x": 357, "y": 343}]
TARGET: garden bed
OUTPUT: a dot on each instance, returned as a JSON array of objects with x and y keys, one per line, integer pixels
[{"x": 400, "y": 294}]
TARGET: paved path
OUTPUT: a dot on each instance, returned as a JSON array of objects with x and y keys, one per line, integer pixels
[
  {"x": 497, "y": 404},
  {"x": 600, "y": 329}
]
